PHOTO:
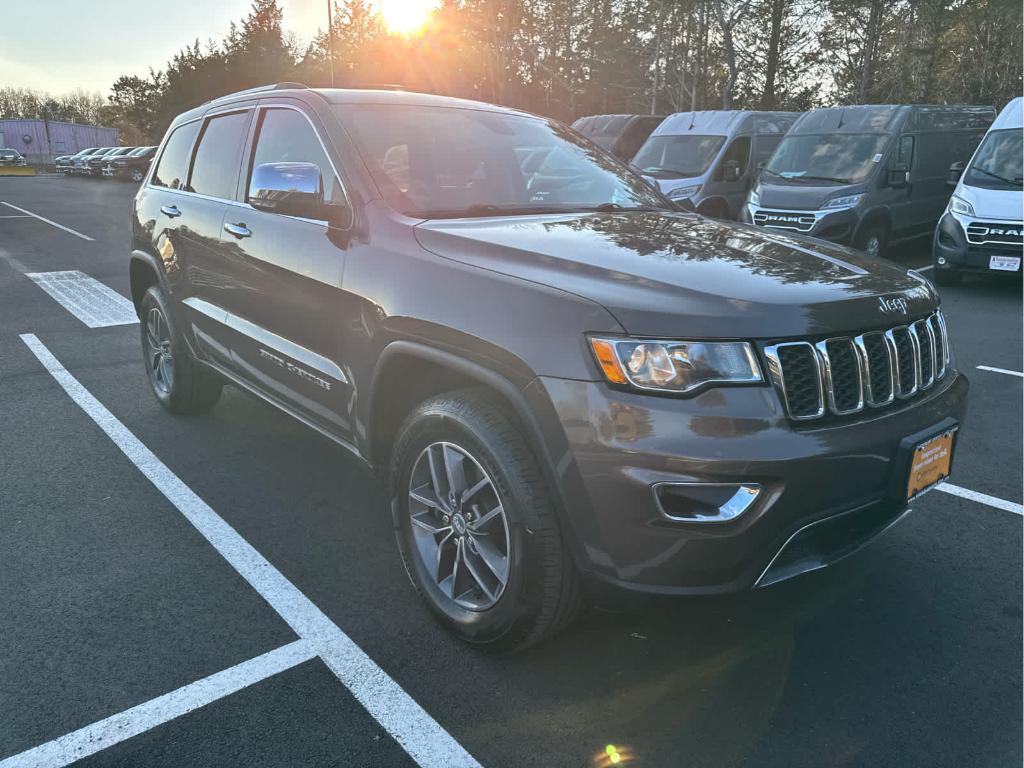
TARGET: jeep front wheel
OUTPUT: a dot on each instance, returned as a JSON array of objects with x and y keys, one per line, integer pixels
[{"x": 476, "y": 526}]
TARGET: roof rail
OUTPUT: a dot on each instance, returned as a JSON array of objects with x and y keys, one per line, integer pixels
[{"x": 261, "y": 89}]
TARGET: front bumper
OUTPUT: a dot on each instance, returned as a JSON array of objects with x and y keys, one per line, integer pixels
[
  {"x": 619, "y": 445},
  {"x": 835, "y": 225},
  {"x": 951, "y": 249}
]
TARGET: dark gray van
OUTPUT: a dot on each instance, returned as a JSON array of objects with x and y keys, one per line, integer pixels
[
  {"x": 622, "y": 135},
  {"x": 867, "y": 176}
]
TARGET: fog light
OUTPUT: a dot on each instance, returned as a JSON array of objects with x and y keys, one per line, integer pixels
[{"x": 705, "y": 502}]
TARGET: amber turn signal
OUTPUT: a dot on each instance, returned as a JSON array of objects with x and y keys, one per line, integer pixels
[{"x": 604, "y": 351}]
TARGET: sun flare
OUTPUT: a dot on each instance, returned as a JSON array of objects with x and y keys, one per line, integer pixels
[{"x": 406, "y": 17}]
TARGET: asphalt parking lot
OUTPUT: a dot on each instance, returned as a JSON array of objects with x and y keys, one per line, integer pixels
[{"x": 224, "y": 590}]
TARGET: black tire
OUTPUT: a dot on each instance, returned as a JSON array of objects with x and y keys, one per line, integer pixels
[
  {"x": 136, "y": 175},
  {"x": 946, "y": 276},
  {"x": 542, "y": 593},
  {"x": 184, "y": 387},
  {"x": 873, "y": 240}
]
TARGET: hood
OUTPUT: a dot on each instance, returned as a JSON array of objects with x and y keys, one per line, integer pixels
[
  {"x": 803, "y": 197},
  {"x": 684, "y": 276},
  {"x": 1003, "y": 204}
]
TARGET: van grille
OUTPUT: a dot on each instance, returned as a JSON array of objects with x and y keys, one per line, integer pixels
[
  {"x": 802, "y": 222},
  {"x": 843, "y": 375},
  {"x": 1002, "y": 233}
]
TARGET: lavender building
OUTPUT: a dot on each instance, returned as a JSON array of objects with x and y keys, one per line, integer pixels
[{"x": 42, "y": 140}]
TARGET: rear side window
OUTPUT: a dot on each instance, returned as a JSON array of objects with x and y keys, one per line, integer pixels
[
  {"x": 172, "y": 169},
  {"x": 215, "y": 168},
  {"x": 285, "y": 136}
]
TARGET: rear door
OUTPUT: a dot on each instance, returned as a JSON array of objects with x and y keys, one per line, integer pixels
[
  {"x": 205, "y": 198},
  {"x": 285, "y": 277}
]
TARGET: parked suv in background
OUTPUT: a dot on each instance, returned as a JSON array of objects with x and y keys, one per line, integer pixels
[
  {"x": 869, "y": 176},
  {"x": 131, "y": 166},
  {"x": 981, "y": 228},
  {"x": 570, "y": 386},
  {"x": 94, "y": 163},
  {"x": 69, "y": 164}
]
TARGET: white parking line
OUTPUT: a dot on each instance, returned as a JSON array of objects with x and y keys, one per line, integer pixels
[
  {"x": 1018, "y": 374},
  {"x": 981, "y": 498},
  {"x": 430, "y": 745},
  {"x": 92, "y": 302},
  {"x": 48, "y": 221},
  {"x": 124, "y": 725}
]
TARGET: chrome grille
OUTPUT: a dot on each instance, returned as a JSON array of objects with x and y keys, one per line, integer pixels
[
  {"x": 802, "y": 222},
  {"x": 843, "y": 375},
  {"x": 1003, "y": 233}
]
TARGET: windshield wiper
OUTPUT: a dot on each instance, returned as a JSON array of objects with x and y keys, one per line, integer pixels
[
  {"x": 676, "y": 171},
  {"x": 808, "y": 177},
  {"x": 1012, "y": 182}
]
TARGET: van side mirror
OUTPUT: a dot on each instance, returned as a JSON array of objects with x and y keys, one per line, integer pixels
[
  {"x": 899, "y": 176},
  {"x": 731, "y": 171},
  {"x": 956, "y": 170},
  {"x": 294, "y": 189}
]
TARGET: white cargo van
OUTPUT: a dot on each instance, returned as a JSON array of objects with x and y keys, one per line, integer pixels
[{"x": 981, "y": 229}]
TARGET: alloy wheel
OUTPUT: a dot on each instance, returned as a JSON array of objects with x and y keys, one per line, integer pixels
[
  {"x": 873, "y": 246},
  {"x": 136, "y": 174},
  {"x": 459, "y": 526},
  {"x": 159, "y": 357}
]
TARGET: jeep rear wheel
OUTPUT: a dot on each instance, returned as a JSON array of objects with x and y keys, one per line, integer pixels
[
  {"x": 177, "y": 381},
  {"x": 476, "y": 526}
]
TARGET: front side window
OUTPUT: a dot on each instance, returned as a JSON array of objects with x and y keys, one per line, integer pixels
[
  {"x": 678, "y": 156},
  {"x": 215, "y": 168},
  {"x": 837, "y": 158},
  {"x": 739, "y": 151},
  {"x": 905, "y": 152},
  {"x": 998, "y": 163},
  {"x": 436, "y": 162},
  {"x": 285, "y": 136},
  {"x": 172, "y": 168}
]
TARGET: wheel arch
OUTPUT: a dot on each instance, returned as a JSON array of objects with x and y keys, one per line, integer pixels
[
  {"x": 872, "y": 218},
  {"x": 145, "y": 271}
]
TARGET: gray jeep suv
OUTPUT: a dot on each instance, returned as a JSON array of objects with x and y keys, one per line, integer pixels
[{"x": 573, "y": 389}]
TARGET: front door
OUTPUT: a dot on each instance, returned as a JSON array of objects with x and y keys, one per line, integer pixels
[{"x": 284, "y": 312}]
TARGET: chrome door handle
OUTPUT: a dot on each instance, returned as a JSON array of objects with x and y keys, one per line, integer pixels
[
  {"x": 170, "y": 210},
  {"x": 238, "y": 230}
]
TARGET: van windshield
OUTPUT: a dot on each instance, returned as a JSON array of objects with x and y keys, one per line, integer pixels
[
  {"x": 837, "y": 158},
  {"x": 683, "y": 156},
  {"x": 998, "y": 163},
  {"x": 444, "y": 162}
]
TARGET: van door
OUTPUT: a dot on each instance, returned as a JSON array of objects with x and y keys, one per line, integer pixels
[
  {"x": 733, "y": 191},
  {"x": 904, "y": 209},
  {"x": 286, "y": 281}
]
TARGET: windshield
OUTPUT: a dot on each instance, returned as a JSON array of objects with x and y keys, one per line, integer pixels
[
  {"x": 678, "y": 156},
  {"x": 437, "y": 162},
  {"x": 837, "y": 158},
  {"x": 138, "y": 151},
  {"x": 998, "y": 162}
]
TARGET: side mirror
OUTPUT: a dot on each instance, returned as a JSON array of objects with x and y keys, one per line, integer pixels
[
  {"x": 956, "y": 170},
  {"x": 292, "y": 189},
  {"x": 899, "y": 176},
  {"x": 731, "y": 171}
]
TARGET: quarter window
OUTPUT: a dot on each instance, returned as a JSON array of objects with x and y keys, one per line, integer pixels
[
  {"x": 215, "y": 168},
  {"x": 172, "y": 168},
  {"x": 285, "y": 136}
]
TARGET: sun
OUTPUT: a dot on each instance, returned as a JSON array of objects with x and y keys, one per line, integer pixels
[{"x": 406, "y": 17}]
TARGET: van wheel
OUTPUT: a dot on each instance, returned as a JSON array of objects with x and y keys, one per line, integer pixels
[
  {"x": 177, "y": 381},
  {"x": 873, "y": 240},
  {"x": 476, "y": 526}
]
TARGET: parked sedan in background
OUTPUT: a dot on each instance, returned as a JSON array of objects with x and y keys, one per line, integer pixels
[
  {"x": 94, "y": 163},
  {"x": 131, "y": 166},
  {"x": 12, "y": 157}
]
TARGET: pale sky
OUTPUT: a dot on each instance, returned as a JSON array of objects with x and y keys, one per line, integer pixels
[{"x": 61, "y": 45}]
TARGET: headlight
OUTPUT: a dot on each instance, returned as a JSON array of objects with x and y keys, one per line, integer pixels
[
  {"x": 680, "y": 193},
  {"x": 959, "y": 205},
  {"x": 675, "y": 366},
  {"x": 754, "y": 198},
  {"x": 846, "y": 201}
]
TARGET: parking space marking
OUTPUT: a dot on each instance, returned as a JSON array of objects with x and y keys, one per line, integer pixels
[
  {"x": 92, "y": 302},
  {"x": 1018, "y": 374},
  {"x": 91, "y": 739},
  {"x": 48, "y": 221},
  {"x": 981, "y": 498},
  {"x": 422, "y": 737}
]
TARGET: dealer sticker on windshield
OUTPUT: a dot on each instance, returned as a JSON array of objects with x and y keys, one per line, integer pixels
[
  {"x": 931, "y": 463},
  {"x": 1004, "y": 263}
]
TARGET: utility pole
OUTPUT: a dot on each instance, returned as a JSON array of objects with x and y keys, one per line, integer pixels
[{"x": 330, "y": 39}]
